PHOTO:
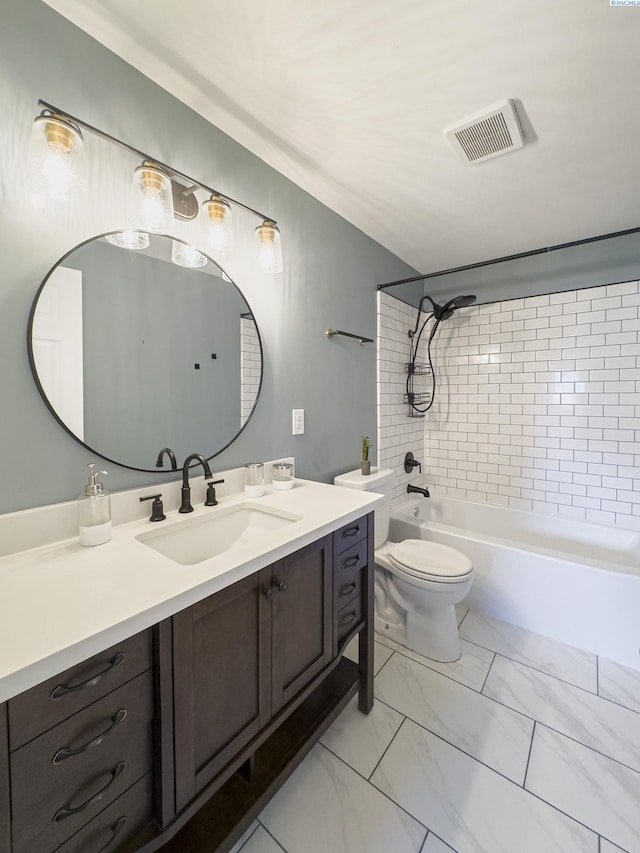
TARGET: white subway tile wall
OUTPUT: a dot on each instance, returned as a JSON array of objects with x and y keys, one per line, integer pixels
[
  {"x": 537, "y": 405},
  {"x": 397, "y": 433},
  {"x": 250, "y": 367}
]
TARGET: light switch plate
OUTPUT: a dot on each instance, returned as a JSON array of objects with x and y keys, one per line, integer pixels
[{"x": 297, "y": 421}]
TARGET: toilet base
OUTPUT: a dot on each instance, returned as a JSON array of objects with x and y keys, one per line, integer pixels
[{"x": 430, "y": 631}]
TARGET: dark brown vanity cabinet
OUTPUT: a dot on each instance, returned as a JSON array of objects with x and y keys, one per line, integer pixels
[
  {"x": 138, "y": 749},
  {"x": 241, "y": 655}
]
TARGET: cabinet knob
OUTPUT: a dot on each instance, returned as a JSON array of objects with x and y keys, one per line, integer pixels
[
  {"x": 269, "y": 593},
  {"x": 282, "y": 586}
]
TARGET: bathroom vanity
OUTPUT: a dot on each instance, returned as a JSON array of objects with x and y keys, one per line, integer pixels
[{"x": 174, "y": 737}]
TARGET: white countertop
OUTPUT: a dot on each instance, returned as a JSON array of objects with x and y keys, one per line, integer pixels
[{"x": 61, "y": 603}]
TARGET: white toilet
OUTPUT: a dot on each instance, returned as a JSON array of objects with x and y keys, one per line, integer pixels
[{"x": 417, "y": 583}]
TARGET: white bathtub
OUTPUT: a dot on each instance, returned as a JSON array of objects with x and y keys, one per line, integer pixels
[{"x": 576, "y": 582}]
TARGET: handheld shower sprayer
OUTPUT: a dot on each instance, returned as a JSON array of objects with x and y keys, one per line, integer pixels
[
  {"x": 442, "y": 312},
  {"x": 439, "y": 313}
]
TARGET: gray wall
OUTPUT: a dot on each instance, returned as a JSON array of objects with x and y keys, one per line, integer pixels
[
  {"x": 146, "y": 323},
  {"x": 331, "y": 268}
]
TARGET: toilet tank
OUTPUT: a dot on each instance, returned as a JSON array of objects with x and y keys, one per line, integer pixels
[{"x": 379, "y": 480}]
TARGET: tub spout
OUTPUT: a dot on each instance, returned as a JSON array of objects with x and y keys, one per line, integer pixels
[{"x": 417, "y": 490}]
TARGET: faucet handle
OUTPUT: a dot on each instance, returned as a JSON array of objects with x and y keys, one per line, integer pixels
[
  {"x": 211, "y": 493},
  {"x": 157, "y": 510},
  {"x": 410, "y": 462}
]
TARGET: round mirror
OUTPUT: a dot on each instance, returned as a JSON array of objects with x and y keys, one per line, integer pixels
[{"x": 134, "y": 352}]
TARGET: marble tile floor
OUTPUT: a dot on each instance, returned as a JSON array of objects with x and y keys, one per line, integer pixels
[{"x": 524, "y": 745}]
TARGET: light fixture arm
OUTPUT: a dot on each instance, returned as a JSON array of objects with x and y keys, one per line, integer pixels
[{"x": 46, "y": 107}]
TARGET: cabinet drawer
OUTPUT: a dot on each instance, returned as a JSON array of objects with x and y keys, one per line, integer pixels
[
  {"x": 118, "y": 822},
  {"x": 348, "y": 617},
  {"x": 80, "y": 766},
  {"x": 345, "y": 589},
  {"x": 52, "y": 701},
  {"x": 348, "y": 535},
  {"x": 349, "y": 563}
]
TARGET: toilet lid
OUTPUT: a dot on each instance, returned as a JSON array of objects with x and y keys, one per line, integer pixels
[{"x": 430, "y": 559}]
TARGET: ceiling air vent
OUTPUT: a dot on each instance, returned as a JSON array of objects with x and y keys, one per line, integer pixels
[{"x": 489, "y": 134}]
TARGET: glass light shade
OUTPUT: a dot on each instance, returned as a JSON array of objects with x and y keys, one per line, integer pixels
[
  {"x": 216, "y": 218},
  {"x": 270, "y": 251},
  {"x": 186, "y": 256},
  {"x": 56, "y": 157},
  {"x": 153, "y": 198},
  {"x": 129, "y": 239}
]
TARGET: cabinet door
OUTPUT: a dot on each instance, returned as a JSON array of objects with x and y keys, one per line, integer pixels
[
  {"x": 301, "y": 619},
  {"x": 221, "y": 680}
]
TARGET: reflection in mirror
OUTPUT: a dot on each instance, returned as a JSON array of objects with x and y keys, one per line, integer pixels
[{"x": 133, "y": 353}]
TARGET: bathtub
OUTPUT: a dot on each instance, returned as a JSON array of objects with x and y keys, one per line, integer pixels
[{"x": 578, "y": 583}]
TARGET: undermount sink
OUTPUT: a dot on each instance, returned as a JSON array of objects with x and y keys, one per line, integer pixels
[{"x": 194, "y": 540}]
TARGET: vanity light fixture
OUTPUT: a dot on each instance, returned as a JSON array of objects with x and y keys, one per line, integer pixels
[
  {"x": 186, "y": 256},
  {"x": 216, "y": 216},
  {"x": 129, "y": 239},
  {"x": 56, "y": 155},
  {"x": 270, "y": 252},
  {"x": 153, "y": 198},
  {"x": 160, "y": 192}
]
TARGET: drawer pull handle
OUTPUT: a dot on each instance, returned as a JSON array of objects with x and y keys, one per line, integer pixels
[
  {"x": 348, "y": 532},
  {"x": 67, "y": 811},
  {"x": 68, "y": 752},
  {"x": 63, "y": 689},
  {"x": 350, "y": 562},
  {"x": 348, "y": 619},
  {"x": 347, "y": 590},
  {"x": 118, "y": 826}
]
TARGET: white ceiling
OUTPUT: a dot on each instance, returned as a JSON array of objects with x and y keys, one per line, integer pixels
[{"x": 349, "y": 100}]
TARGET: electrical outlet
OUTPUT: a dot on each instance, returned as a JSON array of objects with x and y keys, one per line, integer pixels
[{"x": 297, "y": 421}]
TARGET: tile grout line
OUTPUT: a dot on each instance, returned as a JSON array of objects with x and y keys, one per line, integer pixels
[
  {"x": 498, "y": 773},
  {"x": 535, "y": 668},
  {"x": 388, "y": 745},
  {"x": 246, "y": 841},
  {"x": 526, "y": 769},
  {"x": 393, "y": 651},
  {"x": 591, "y": 748},
  {"x": 375, "y": 787},
  {"x": 490, "y": 667},
  {"x": 271, "y": 835},
  {"x": 431, "y": 669}
]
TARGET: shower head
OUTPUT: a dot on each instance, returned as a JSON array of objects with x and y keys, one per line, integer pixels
[
  {"x": 442, "y": 312},
  {"x": 453, "y": 304}
]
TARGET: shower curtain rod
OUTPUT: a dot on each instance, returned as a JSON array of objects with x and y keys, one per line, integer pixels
[{"x": 510, "y": 258}]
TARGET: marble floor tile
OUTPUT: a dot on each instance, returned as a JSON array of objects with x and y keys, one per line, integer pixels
[
  {"x": 471, "y": 668},
  {"x": 326, "y": 807},
  {"x": 595, "y": 722},
  {"x": 245, "y": 836},
  {"x": 592, "y": 788},
  {"x": 566, "y": 662},
  {"x": 434, "y": 845},
  {"x": 469, "y": 806},
  {"x": 361, "y": 739},
  {"x": 619, "y": 683},
  {"x": 486, "y": 730},
  {"x": 261, "y": 842},
  {"x": 381, "y": 654}
]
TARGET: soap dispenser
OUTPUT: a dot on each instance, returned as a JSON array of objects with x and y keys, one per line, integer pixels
[{"x": 94, "y": 508}]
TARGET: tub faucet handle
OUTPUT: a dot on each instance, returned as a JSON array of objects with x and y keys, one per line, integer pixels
[{"x": 410, "y": 462}]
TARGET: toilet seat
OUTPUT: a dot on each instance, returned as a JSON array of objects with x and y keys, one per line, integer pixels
[{"x": 429, "y": 561}]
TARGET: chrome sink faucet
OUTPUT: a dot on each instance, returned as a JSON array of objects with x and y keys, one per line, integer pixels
[{"x": 186, "y": 488}]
